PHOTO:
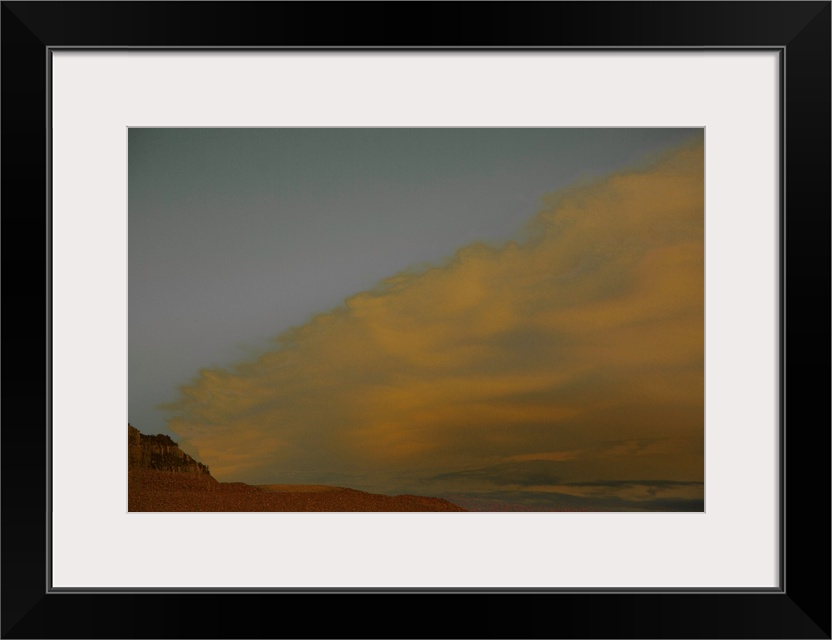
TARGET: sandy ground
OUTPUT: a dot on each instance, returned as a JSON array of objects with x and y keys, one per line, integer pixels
[
  {"x": 298, "y": 488},
  {"x": 170, "y": 491}
]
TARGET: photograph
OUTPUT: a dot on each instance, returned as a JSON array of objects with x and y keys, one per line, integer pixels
[
  {"x": 562, "y": 272},
  {"x": 416, "y": 319}
]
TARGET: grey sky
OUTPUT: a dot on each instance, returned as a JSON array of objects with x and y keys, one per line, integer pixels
[{"x": 236, "y": 235}]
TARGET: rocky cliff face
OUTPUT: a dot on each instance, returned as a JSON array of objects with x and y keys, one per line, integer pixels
[
  {"x": 159, "y": 453},
  {"x": 162, "y": 477}
]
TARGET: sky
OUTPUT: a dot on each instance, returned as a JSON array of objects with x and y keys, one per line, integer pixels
[{"x": 510, "y": 318}]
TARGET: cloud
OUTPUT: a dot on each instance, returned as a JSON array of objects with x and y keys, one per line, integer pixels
[
  {"x": 582, "y": 345},
  {"x": 553, "y": 501}
]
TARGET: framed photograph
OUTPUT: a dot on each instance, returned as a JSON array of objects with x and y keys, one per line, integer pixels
[{"x": 564, "y": 271}]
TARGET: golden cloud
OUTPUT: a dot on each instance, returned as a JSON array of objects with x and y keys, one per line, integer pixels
[{"x": 586, "y": 335}]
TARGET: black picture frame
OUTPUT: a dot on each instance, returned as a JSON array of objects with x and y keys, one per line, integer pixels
[{"x": 799, "y": 608}]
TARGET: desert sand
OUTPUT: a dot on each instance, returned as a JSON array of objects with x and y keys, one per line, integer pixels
[{"x": 151, "y": 490}]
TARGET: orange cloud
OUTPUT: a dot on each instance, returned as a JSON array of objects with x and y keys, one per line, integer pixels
[{"x": 559, "y": 348}]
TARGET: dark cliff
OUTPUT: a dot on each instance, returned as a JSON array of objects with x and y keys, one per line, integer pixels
[
  {"x": 162, "y": 477},
  {"x": 159, "y": 453}
]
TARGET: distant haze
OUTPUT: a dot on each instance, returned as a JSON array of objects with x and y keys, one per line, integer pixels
[{"x": 512, "y": 316}]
